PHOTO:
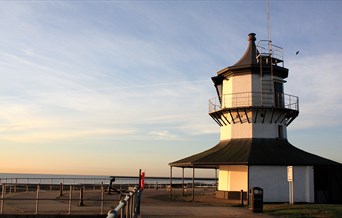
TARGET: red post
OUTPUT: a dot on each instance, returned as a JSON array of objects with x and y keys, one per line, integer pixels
[{"x": 142, "y": 180}]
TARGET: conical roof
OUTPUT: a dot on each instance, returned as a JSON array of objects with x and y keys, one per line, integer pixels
[
  {"x": 250, "y": 55},
  {"x": 249, "y": 63},
  {"x": 253, "y": 151}
]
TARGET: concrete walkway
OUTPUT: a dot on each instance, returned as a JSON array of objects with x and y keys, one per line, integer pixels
[
  {"x": 154, "y": 204},
  {"x": 158, "y": 204},
  {"x": 50, "y": 203}
]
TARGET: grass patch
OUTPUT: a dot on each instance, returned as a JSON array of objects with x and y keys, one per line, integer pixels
[{"x": 304, "y": 210}]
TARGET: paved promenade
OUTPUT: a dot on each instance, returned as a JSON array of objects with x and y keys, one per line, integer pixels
[
  {"x": 154, "y": 204},
  {"x": 158, "y": 204}
]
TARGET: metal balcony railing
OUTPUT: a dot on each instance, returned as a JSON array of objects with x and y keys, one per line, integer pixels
[
  {"x": 267, "y": 49},
  {"x": 254, "y": 99}
]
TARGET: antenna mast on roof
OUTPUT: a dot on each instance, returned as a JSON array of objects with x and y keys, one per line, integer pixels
[
  {"x": 266, "y": 57},
  {"x": 269, "y": 27},
  {"x": 268, "y": 20},
  {"x": 270, "y": 44}
]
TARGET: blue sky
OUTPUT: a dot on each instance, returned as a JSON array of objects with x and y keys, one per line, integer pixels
[{"x": 109, "y": 87}]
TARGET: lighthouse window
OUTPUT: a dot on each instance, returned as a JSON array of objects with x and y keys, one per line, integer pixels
[
  {"x": 278, "y": 95},
  {"x": 280, "y": 132}
]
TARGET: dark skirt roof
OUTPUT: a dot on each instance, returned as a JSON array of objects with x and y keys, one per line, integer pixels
[{"x": 257, "y": 151}]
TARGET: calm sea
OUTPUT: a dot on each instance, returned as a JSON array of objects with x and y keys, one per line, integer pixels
[{"x": 82, "y": 179}]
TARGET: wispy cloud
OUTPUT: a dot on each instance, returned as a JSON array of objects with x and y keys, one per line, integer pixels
[
  {"x": 162, "y": 135},
  {"x": 113, "y": 73},
  {"x": 53, "y": 114},
  {"x": 316, "y": 80}
]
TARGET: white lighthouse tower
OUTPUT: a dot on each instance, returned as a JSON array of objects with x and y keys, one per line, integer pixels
[
  {"x": 253, "y": 113},
  {"x": 251, "y": 104}
]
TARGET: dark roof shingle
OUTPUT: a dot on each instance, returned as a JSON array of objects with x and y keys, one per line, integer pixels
[{"x": 257, "y": 151}]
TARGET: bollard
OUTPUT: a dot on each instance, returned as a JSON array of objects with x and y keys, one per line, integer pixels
[
  {"x": 60, "y": 189},
  {"x": 241, "y": 197},
  {"x": 102, "y": 198},
  {"x": 81, "y": 198},
  {"x": 2, "y": 198},
  {"x": 37, "y": 200},
  {"x": 70, "y": 199},
  {"x": 15, "y": 185}
]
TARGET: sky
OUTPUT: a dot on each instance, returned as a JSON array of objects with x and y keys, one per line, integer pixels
[{"x": 111, "y": 87}]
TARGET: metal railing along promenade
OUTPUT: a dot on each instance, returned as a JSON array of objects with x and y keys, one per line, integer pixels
[
  {"x": 128, "y": 207},
  {"x": 64, "y": 196},
  {"x": 74, "y": 196},
  {"x": 55, "y": 199}
]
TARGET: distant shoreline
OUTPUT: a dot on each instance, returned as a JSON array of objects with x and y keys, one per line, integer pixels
[{"x": 71, "y": 176}]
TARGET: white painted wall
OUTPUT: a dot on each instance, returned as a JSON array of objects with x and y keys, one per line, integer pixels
[
  {"x": 242, "y": 83},
  {"x": 303, "y": 182},
  {"x": 256, "y": 84},
  {"x": 234, "y": 85},
  {"x": 251, "y": 130},
  {"x": 273, "y": 179},
  {"x": 262, "y": 128},
  {"x": 223, "y": 175},
  {"x": 243, "y": 130},
  {"x": 233, "y": 178},
  {"x": 236, "y": 130},
  {"x": 225, "y": 132},
  {"x": 268, "y": 130},
  {"x": 227, "y": 89}
]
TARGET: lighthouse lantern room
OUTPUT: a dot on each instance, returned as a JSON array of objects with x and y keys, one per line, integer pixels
[{"x": 251, "y": 102}]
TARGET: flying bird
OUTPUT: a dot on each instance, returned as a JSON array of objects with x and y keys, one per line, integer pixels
[{"x": 297, "y": 52}]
